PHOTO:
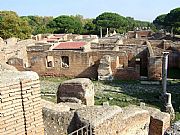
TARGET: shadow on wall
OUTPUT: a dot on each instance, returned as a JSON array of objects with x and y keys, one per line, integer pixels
[
  {"x": 91, "y": 72},
  {"x": 72, "y": 125},
  {"x": 174, "y": 73},
  {"x": 174, "y": 63},
  {"x": 126, "y": 74}
]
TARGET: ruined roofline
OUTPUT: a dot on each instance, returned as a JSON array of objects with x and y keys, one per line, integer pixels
[{"x": 81, "y": 49}]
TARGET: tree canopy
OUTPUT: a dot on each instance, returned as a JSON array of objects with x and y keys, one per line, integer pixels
[
  {"x": 169, "y": 21},
  {"x": 110, "y": 20},
  {"x": 119, "y": 23},
  {"x": 11, "y": 25},
  {"x": 38, "y": 24},
  {"x": 66, "y": 24},
  {"x": 159, "y": 22}
]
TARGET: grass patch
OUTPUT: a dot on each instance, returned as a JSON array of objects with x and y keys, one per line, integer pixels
[
  {"x": 122, "y": 99},
  {"x": 49, "y": 98},
  {"x": 177, "y": 116},
  {"x": 54, "y": 79}
]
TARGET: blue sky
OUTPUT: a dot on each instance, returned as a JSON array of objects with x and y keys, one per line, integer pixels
[{"x": 145, "y": 10}]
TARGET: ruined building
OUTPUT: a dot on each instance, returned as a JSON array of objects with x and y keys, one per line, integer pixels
[
  {"x": 71, "y": 55},
  {"x": 82, "y": 56}
]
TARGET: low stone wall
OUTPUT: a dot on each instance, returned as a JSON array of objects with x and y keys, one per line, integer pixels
[
  {"x": 20, "y": 110},
  {"x": 128, "y": 73},
  {"x": 64, "y": 118},
  {"x": 112, "y": 120},
  {"x": 59, "y": 118}
]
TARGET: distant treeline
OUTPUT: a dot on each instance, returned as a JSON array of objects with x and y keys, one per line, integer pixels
[
  {"x": 12, "y": 25},
  {"x": 169, "y": 22}
]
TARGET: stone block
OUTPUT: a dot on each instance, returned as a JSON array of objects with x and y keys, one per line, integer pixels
[
  {"x": 104, "y": 69},
  {"x": 159, "y": 121},
  {"x": 112, "y": 120},
  {"x": 80, "y": 88}
]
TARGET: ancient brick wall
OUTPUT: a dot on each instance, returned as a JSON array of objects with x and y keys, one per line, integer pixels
[
  {"x": 135, "y": 51},
  {"x": 155, "y": 68},
  {"x": 36, "y": 61},
  {"x": 134, "y": 41},
  {"x": 115, "y": 62},
  {"x": 20, "y": 105},
  {"x": 163, "y": 44},
  {"x": 126, "y": 74},
  {"x": 80, "y": 64},
  {"x": 84, "y": 64},
  {"x": 173, "y": 60},
  {"x": 17, "y": 63}
]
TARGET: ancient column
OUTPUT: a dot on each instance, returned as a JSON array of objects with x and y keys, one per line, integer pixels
[
  {"x": 164, "y": 71},
  {"x": 100, "y": 32},
  {"x": 167, "y": 96},
  {"x": 107, "y": 32},
  {"x": 168, "y": 105}
]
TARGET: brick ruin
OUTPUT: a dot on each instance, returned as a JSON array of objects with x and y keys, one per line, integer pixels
[
  {"x": 20, "y": 107},
  {"x": 21, "y": 110},
  {"x": 24, "y": 112},
  {"x": 80, "y": 55}
]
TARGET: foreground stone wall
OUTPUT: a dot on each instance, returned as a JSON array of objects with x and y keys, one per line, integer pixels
[
  {"x": 65, "y": 118},
  {"x": 160, "y": 122},
  {"x": 2, "y": 57},
  {"x": 112, "y": 120},
  {"x": 59, "y": 118},
  {"x": 20, "y": 110}
]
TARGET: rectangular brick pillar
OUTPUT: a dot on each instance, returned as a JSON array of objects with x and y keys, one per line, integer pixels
[{"x": 20, "y": 108}]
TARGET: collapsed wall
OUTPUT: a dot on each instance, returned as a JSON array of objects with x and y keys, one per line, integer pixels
[
  {"x": 59, "y": 118},
  {"x": 20, "y": 103},
  {"x": 64, "y": 118},
  {"x": 112, "y": 120}
]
